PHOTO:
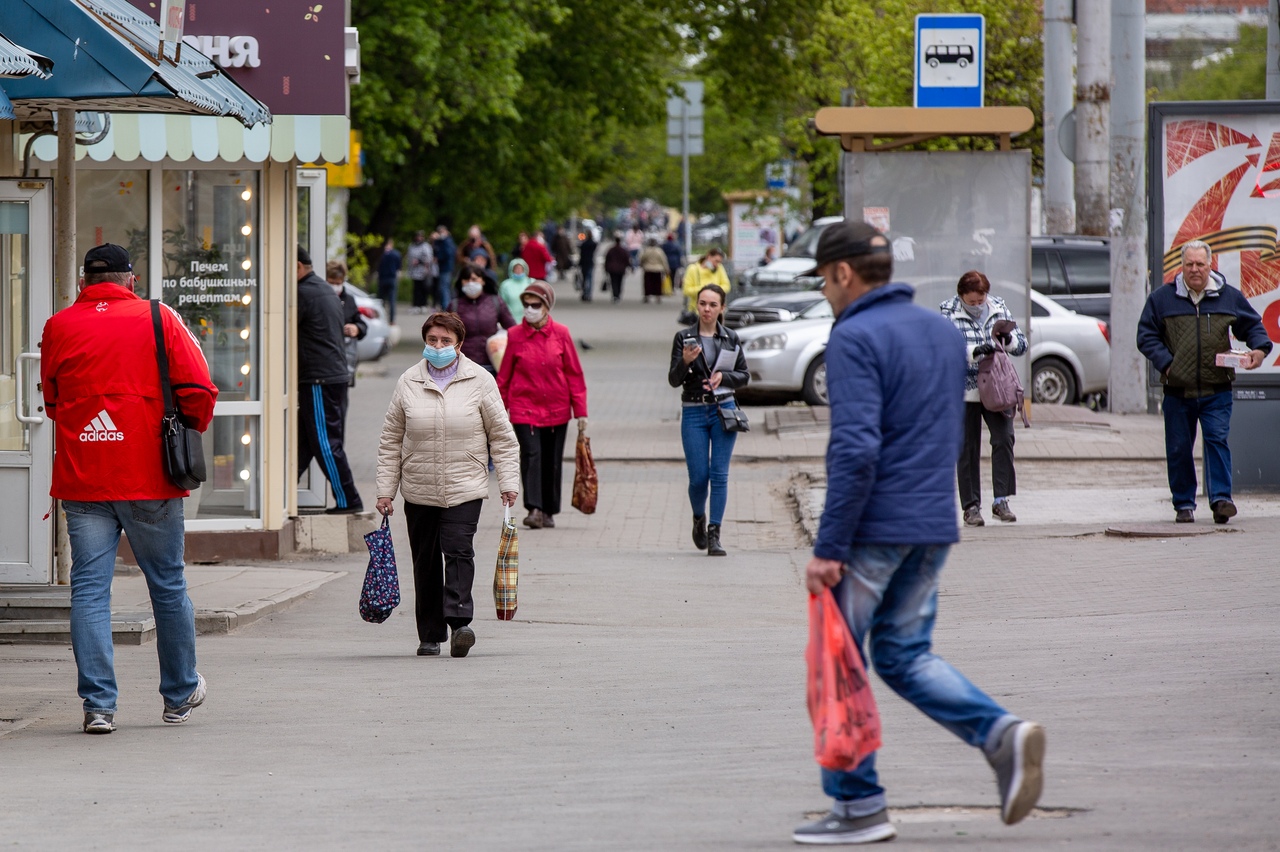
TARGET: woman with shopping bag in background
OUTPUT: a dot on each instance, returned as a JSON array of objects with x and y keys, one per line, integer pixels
[
  {"x": 543, "y": 386},
  {"x": 445, "y": 419}
]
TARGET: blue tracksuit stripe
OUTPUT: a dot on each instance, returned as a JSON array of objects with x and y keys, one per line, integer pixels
[{"x": 326, "y": 452}]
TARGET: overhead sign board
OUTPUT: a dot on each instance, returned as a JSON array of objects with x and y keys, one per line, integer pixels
[
  {"x": 950, "y": 60},
  {"x": 684, "y": 120}
]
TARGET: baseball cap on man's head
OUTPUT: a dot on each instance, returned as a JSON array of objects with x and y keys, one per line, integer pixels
[
  {"x": 848, "y": 239},
  {"x": 304, "y": 256},
  {"x": 107, "y": 257}
]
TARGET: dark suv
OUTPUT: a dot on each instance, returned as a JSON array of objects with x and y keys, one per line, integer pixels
[{"x": 1075, "y": 272}]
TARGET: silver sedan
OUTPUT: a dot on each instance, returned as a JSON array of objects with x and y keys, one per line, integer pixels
[{"x": 1070, "y": 355}]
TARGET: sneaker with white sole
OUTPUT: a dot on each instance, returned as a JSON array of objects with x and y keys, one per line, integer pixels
[
  {"x": 99, "y": 723},
  {"x": 1019, "y": 766},
  {"x": 833, "y": 830},
  {"x": 181, "y": 713}
]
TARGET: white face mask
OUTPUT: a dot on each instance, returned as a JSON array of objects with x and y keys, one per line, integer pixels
[
  {"x": 535, "y": 315},
  {"x": 471, "y": 289},
  {"x": 337, "y": 288}
]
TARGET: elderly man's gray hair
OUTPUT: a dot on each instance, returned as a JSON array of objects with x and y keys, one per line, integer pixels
[{"x": 1197, "y": 244}]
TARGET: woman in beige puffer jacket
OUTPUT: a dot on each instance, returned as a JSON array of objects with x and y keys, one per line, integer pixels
[{"x": 443, "y": 424}]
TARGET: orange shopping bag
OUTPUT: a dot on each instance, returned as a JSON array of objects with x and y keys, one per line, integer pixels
[{"x": 846, "y": 724}]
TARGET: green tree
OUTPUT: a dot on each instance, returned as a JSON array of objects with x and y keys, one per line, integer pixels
[{"x": 1239, "y": 73}]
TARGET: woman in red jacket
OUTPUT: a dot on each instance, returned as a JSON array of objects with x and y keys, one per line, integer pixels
[{"x": 543, "y": 387}]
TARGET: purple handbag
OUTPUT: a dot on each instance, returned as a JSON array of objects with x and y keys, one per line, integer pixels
[{"x": 381, "y": 592}]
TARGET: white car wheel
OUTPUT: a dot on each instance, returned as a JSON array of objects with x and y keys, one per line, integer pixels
[
  {"x": 1052, "y": 382},
  {"x": 815, "y": 382}
]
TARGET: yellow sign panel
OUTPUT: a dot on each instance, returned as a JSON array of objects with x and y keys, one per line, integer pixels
[{"x": 349, "y": 174}]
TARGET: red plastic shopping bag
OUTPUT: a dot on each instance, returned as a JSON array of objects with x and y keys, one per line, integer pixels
[{"x": 846, "y": 724}]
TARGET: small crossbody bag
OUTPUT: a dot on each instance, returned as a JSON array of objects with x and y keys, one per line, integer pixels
[{"x": 182, "y": 448}]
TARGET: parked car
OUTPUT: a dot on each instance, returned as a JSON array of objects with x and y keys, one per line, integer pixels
[
  {"x": 776, "y": 307},
  {"x": 377, "y": 340},
  {"x": 1075, "y": 272},
  {"x": 1070, "y": 354},
  {"x": 783, "y": 274}
]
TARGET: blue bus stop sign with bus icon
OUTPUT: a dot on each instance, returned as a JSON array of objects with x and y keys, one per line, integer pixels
[{"x": 950, "y": 60}]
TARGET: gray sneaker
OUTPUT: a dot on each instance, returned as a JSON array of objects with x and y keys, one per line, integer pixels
[
  {"x": 834, "y": 830},
  {"x": 99, "y": 723},
  {"x": 973, "y": 517},
  {"x": 181, "y": 713},
  {"x": 1001, "y": 510},
  {"x": 1018, "y": 763}
]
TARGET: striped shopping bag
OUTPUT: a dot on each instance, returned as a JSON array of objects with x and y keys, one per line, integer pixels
[{"x": 507, "y": 569}]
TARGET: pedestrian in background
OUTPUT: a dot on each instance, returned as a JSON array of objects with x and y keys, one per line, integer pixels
[
  {"x": 587, "y": 263},
  {"x": 421, "y": 270},
  {"x": 446, "y": 254},
  {"x": 476, "y": 245},
  {"x": 1182, "y": 329},
  {"x": 445, "y": 418},
  {"x": 983, "y": 318},
  {"x": 354, "y": 328},
  {"x": 617, "y": 260},
  {"x": 635, "y": 242},
  {"x": 536, "y": 255},
  {"x": 896, "y": 373},
  {"x": 563, "y": 253},
  {"x": 653, "y": 262},
  {"x": 100, "y": 379},
  {"x": 701, "y": 356},
  {"x": 322, "y": 387},
  {"x": 482, "y": 312},
  {"x": 675, "y": 257},
  {"x": 389, "y": 278},
  {"x": 709, "y": 269},
  {"x": 510, "y": 289},
  {"x": 543, "y": 386}
]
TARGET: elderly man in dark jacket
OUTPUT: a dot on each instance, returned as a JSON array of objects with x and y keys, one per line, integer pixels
[
  {"x": 322, "y": 386},
  {"x": 1183, "y": 328},
  {"x": 895, "y": 374}
]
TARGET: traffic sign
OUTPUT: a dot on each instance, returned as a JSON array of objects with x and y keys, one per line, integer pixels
[
  {"x": 684, "y": 120},
  {"x": 950, "y": 60}
]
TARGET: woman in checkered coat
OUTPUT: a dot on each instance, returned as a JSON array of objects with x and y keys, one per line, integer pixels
[{"x": 975, "y": 312}]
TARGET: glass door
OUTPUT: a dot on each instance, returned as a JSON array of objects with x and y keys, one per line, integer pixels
[
  {"x": 312, "y": 493},
  {"x": 26, "y": 435}
]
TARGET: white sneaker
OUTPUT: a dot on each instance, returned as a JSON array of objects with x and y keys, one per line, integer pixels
[{"x": 177, "y": 715}]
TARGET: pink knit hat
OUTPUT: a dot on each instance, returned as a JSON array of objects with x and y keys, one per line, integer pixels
[{"x": 543, "y": 291}]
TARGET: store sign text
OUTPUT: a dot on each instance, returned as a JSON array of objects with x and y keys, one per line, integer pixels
[{"x": 227, "y": 51}]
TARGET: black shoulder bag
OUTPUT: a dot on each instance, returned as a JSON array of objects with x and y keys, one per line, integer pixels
[
  {"x": 183, "y": 451},
  {"x": 731, "y": 419}
]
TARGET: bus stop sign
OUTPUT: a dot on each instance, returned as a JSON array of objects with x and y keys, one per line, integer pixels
[{"x": 950, "y": 60}]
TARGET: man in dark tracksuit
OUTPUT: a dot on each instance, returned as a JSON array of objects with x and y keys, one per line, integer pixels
[
  {"x": 322, "y": 386},
  {"x": 1183, "y": 327}
]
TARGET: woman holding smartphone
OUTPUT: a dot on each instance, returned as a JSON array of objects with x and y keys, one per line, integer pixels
[{"x": 707, "y": 364}]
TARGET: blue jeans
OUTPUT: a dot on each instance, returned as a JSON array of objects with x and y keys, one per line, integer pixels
[
  {"x": 444, "y": 293},
  {"x": 707, "y": 450},
  {"x": 155, "y": 530},
  {"x": 1180, "y": 417},
  {"x": 891, "y": 592}
]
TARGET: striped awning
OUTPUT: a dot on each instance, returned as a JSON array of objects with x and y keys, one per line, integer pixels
[{"x": 155, "y": 138}]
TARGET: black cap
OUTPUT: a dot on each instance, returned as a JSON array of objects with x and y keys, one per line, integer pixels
[
  {"x": 304, "y": 257},
  {"x": 107, "y": 258},
  {"x": 848, "y": 239}
]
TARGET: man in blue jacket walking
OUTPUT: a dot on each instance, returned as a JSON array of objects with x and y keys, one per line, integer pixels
[{"x": 895, "y": 376}]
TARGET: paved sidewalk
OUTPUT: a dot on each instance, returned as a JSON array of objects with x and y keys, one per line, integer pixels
[{"x": 647, "y": 697}]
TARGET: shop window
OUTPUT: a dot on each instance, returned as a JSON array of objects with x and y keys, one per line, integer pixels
[
  {"x": 233, "y": 461},
  {"x": 111, "y": 207},
  {"x": 211, "y": 271}
]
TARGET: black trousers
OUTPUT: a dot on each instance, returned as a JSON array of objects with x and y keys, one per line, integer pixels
[
  {"x": 541, "y": 465},
  {"x": 615, "y": 284},
  {"x": 421, "y": 289},
  {"x": 1003, "y": 481},
  {"x": 444, "y": 566},
  {"x": 322, "y": 411}
]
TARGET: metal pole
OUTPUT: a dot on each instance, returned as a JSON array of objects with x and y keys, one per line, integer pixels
[
  {"x": 684, "y": 165},
  {"x": 1128, "y": 388},
  {"x": 1093, "y": 103},
  {"x": 1273, "y": 50},
  {"x": 1059, "y": 79},
  {"x": 65, "y": 277}
]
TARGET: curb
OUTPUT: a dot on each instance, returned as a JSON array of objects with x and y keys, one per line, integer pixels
[{"x": 223, "y": 621}]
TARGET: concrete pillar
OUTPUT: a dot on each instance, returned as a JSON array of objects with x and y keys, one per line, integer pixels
[
  {"x": 1093, "y": 106},
  {"x": 66, "y": 274},
  {"x": 1059, "y": 92},
  {"x": 1128, "y": 217}
]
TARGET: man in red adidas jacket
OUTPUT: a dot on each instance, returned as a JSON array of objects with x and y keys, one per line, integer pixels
[{"x": 102, "y": 388}]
